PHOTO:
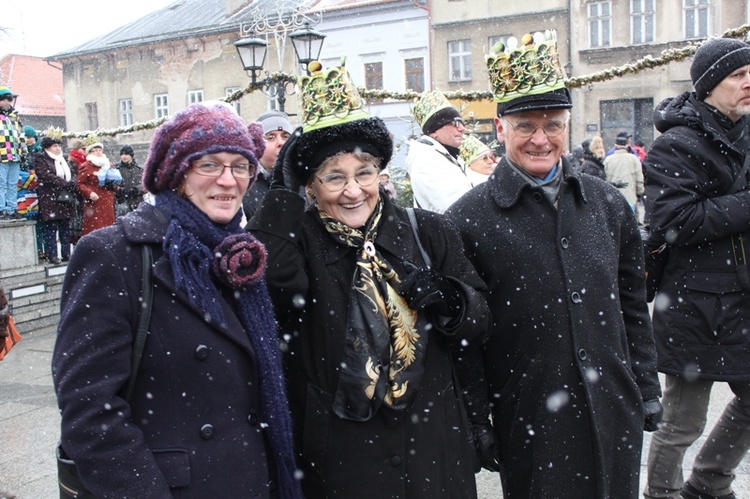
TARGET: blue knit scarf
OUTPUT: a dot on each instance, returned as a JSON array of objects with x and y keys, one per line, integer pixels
[{"x": 202, "y": 254}]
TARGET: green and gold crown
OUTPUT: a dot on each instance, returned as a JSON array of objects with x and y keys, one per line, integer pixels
[
  {"x": 428, "y": 104},
  {"x": 528, "y": 67},
  {"x": 53, "y": 133},
  {"x": 471, "y": 148},
  {"x": 329, "y": 98}
]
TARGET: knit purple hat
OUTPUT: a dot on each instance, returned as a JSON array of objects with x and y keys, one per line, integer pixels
[{"x": 199, "y": 129}]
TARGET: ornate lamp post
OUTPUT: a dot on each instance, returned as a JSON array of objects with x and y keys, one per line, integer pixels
[{"x": 252, "y": 49}]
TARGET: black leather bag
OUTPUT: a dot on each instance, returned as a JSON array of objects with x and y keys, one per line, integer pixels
[{"x": 68, "y": 480}]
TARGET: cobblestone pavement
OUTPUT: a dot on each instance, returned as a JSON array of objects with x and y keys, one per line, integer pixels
[{"x": 29, "y": 423}]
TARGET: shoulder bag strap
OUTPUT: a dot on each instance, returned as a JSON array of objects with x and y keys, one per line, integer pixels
[
  {"x": 415, "y": 231},
  {"x": 144, "y": 318}
]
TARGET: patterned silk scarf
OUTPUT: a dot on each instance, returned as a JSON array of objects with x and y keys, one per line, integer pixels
[{"x": 384, "y": 355}]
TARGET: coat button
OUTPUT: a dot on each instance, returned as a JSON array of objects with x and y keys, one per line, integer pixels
[
  {"x": 564, "y": 243},
  {"x": 537, "y": 196},
  {"x": 207, "y": 431},
  {"x": 272, "y": 485},
  {"x": 396, "y": 461},
  {"x": 252, "y": 419},
  {"x": 575, "y": 296},
  {"x": 201, "y": 353},
  {"x": 582, "y": 354}
]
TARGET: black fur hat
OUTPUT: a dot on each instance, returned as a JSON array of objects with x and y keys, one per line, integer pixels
[{"x": 368, "y": 135}]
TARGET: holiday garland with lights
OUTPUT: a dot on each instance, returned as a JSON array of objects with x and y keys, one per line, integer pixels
[{"x": 648, "y": 62}]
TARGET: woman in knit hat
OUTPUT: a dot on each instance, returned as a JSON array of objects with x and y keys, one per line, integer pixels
[
  {"x": 209, "y": 416},
  {"x": 370, "y": 324}
]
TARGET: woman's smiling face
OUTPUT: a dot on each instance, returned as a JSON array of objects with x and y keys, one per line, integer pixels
[{"x": 354, "y": 203}]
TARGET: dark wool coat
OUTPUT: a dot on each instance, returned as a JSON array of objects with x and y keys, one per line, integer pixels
[
  {"x": 256, "y": 192},
  {"x": 701, "y": 313},
  {"x": 427, "y": 453},
  {"x": 49, "y": 188},
  {"x": 99, "y": 213},
  {"x": 193, "y": 427},
  {"x": 593, "y": 165},
  {"x": 570, "y": 357}
]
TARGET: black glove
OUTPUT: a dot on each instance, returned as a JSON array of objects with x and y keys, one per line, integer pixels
[
  {"x": 652, "y": 413},
  {"x": 283, "y": 176},
  {"x": 428, "y": 288},
  {"x": 110, "y": 185},
  {"x": 488, "y": 452},
  {"x": 620, "y": 185}
]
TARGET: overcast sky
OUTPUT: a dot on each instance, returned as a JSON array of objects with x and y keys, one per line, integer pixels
[{"x": 47, "y": 27}]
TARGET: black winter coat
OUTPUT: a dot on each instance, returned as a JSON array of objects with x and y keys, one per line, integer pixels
[
  {"x": 193, "y": 426},
  {"x": 426, "y": 453},
  {"x": 701, "y": 313},
  {"x": 570, "y": 357},
  {"x": 593, "y": 165},
  {"x": 255, "y": 194},
  {"x": 49, "y": 188}
]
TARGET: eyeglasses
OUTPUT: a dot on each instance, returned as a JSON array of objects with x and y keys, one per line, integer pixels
[
  {"x": 211, "y": 169},
  {"x": 457, "y": 121},
  {"x": 335, "y": 182},
  {"x": 526, "y": 129},
  {"x": 8, "y": 97}
]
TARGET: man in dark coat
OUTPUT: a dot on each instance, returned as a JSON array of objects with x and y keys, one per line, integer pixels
[
  {"x": 699, "y": 203},
  {"x": 276, "y": 131},
  {"x": 570, "y": 364}
]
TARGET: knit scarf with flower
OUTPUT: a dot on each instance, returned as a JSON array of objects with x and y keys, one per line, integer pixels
[
  {"x": 203, "y": 254},
  {"x": 384, "y": 355}
]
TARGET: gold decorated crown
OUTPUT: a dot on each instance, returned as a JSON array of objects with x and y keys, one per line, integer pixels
[
  {"x": 54, "y": 133},
  {"x": 91, "y": 140},
  {"x": 526, "y": 67},
  {"x": 471, "y": 148},
  {"x": 428, "y": 104},
  {"x": 329, "y": 98}
]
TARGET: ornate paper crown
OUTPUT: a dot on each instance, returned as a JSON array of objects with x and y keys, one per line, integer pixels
[
  {"x": 471, "y": 148},
  {"x": 91, "y": 140},
  {"x": 54, "y": 133},
  {"x": 530, "y": 67},
  {"x": 329, "y": 98},
  {"x": 428, "y": 104}
]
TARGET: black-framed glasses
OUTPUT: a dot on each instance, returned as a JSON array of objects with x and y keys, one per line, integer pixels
[
  {"x": 334, "y": 182},
  {"x": 526, "y": 129},
  {"x": 212, "y": 169},
  {"x": 458, "y": 122}
]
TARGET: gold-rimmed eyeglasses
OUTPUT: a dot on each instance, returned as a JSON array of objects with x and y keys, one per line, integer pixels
[{"x": 334, "y": 182}]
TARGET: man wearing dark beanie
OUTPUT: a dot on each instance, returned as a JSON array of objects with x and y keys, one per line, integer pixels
[
  {"x": 698, "y": 202},
  {"x": 438, "y": 174}
]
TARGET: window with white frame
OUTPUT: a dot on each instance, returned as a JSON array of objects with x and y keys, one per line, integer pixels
[
  {"x": 236, "y": 104},
  {"x": 161, "y": 105},
  {"x": 642, "y": 21},
  {"x": 459, "y": 60},
  {"x": 126, "y": 112},
  {"x": 195, "y": 96},
  {"x": 600, "y": 24},
  {"x": 696, "y": 18}
]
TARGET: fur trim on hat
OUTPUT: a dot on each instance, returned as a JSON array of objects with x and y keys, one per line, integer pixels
[
  {"x": 48, "y": 142},
  {"x": 95, "y": 144},
  {"x": 441, "y": 118},
  {"x": 368, "y": 135},
  {"x": 204, "y": 128}
]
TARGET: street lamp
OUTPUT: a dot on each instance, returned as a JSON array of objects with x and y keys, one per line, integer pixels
[
  {"x": 307, "y": 45},
  {"x": 252, "y": 51}
]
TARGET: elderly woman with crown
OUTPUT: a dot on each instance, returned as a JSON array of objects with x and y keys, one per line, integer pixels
[
  {"x": 373, "y": 301},
  {"x": 570, "y": 362}
]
